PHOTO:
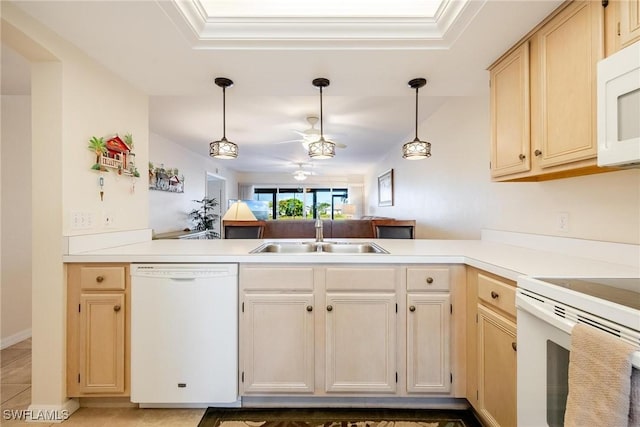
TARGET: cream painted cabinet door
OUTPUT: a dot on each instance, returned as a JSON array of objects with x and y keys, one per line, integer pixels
[
  {"x": 278, "y": 343},
  {"x": 360, "y": 342},
  {"x": 564, "y": 54},
  {"x": 496, "y": 368},
  {"x": 428, "y": 331},
  {"x": 510, "y": 119},
  {"x": 102, "y": 343}
]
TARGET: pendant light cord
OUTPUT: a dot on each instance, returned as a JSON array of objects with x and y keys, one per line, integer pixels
[
  {"x": 321, "y": 132},
  {"x": 417, "y": 113},
  {"x": 224, "y": 119}
]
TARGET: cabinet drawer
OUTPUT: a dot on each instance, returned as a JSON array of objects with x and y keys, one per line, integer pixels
[
  {"x": 497, "y": 294},
  {"x": 361, "y": 279},
  {"x": 276, "y": 278},
  {"x": 102, "y": 278},
  {"x": 428, "y": 279}
]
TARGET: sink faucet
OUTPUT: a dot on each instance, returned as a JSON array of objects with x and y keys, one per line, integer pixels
[{"x": 319, "y": 237}]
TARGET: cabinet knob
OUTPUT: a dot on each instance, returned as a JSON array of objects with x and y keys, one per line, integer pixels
[
  {"x": 309, "y": 308},
  {"x": 514, "y": 346},
  {"x": 329, "y": 308},
  {"x": 494, "y": 295},
  {"x": 522, "y": 157},
  {"x": 429, "y": 280},
  {"x": 537, "y": 153},
  {"x": 100, "y": 279},
  {"x": 412, "y": 308},
  {"x": 116, "y": 308}
]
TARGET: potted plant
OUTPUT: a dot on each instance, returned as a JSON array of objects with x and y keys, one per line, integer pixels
[{"x": 204, "y": 218}]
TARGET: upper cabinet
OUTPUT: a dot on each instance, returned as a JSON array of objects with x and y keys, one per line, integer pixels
[
  {"x": 543, "y": 98},
  {"x": 510, "y": 123},
  {"x": 622, "y": 24}
]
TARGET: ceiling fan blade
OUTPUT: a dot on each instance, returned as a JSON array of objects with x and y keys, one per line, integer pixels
[
  {"x": 338, "y": 144},
  {"x": 288, "y": 141}
]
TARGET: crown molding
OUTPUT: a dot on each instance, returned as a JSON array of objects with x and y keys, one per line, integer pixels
[{"x": 321, "y": 32}]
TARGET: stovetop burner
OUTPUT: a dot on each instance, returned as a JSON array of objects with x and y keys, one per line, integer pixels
[{"x": 621, "y": 291}]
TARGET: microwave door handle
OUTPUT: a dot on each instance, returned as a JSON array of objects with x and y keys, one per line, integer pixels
[{"x": 545, "y": 316}]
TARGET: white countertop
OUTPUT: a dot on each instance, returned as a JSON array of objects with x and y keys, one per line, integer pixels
[{"x": 506, "y": 260}]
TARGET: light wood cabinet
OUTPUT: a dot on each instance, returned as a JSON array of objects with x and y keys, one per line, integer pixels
[
  {"x": 565, "y": 52},
  {"x": 352, "y": 331},
  {"x": 622, "y": 24},
  {"x": 278, "y": 351},
  {"x": 277, "y": 330},
  {"x": 428, "y": 343},
  {"x": 496, "y": 368},
  {"x": 98, "y": 330},
  {"x": 361, "y": 342},
  {"x": 491, "y": 347},
  {"x": 543, "y": 119},
  {"x": 510, "y": 119},
  {"x": 360, "y": 329}
]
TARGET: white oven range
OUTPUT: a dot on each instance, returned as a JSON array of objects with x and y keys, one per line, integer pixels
[{"x": 547, "y": 310}]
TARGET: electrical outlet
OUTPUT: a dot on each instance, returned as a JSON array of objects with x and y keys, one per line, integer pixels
[{"x": 563, "y": 222}]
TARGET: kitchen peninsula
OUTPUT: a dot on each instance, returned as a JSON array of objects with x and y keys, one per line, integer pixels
[{"x": 415, "y": 306}]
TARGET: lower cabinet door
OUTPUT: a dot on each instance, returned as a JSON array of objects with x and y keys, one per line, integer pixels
[
  {"x": 278, "y": 343},
  {"x": 428, "y": 320},
  {"x": 102, "y": 338},
  {"x": 496, "y": 368},
  {"x": 360, "y": 342}
]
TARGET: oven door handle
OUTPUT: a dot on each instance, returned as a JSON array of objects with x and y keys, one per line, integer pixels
[{"x": 532, "y": 308}]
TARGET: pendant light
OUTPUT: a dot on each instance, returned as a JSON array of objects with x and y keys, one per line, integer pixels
[
  {"x": 416, "y": 149},
  {"x": 321, "y": 149},
  {"x": 223, "y": 149}
]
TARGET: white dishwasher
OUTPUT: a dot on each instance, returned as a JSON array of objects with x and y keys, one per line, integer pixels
[{"x": 184, "y": 335}]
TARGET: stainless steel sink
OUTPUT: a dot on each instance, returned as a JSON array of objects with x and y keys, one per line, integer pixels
[
  {"x": 353, "y": 248},
  {"x": 286, "y": 248},
  {"x": 329, "y": 247}
]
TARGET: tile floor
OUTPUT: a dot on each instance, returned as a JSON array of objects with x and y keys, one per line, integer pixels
[{"x": 15, "y": 380}]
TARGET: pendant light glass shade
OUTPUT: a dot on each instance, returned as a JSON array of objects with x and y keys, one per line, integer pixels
[
  {"x": 223, "y": 149},
  {"x": 416, "y": 149},
  {"x": 321, "y": 149}
]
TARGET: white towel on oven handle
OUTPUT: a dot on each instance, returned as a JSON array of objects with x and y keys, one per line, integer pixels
[{"x": 634, "y": 406}]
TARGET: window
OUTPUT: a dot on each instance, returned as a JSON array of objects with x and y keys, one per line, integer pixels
[{"x": 300, "y": 203}]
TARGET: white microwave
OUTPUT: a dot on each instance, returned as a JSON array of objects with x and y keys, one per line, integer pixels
[{"x": 619, "y": 108}]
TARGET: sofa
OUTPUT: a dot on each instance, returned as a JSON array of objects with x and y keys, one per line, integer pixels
[{"x": 305, "y": 228}]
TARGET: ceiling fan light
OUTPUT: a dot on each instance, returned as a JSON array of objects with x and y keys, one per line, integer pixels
[
  {"x": 416, "y": 150},
  {"x": 299, "y": 176},
  {"x": 223, "y": 149},
  {"x": 322, "y": 149}
]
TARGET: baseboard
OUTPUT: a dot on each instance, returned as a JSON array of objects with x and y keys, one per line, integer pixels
[
  {"x": 15, "y": 338},
  {"x": 51, "y": 413},
  {"x": 356, "y": 402}
]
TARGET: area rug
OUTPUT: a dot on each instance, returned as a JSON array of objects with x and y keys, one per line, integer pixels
[{"x": 338, "y": 417}]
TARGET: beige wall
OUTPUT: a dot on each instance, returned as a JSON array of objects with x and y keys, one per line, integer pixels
[
  {"x": 452, "y": 197},
  {"x": 168, "y": 211},
  {"x": 72, "y": 99},
  {"x": 16, "y": 219}
]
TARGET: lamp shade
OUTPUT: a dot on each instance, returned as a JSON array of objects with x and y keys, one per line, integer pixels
[
  {"x": 239, "y": 211},
  {"x": 348, "y": 209}
]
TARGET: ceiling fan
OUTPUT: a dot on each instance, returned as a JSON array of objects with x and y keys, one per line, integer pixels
[
  {"x": 300, "y": 174},
  {"x": 310, "y": 135}
]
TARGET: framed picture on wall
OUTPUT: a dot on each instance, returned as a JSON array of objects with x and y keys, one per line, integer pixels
[{"x": 385, "y": 188}]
